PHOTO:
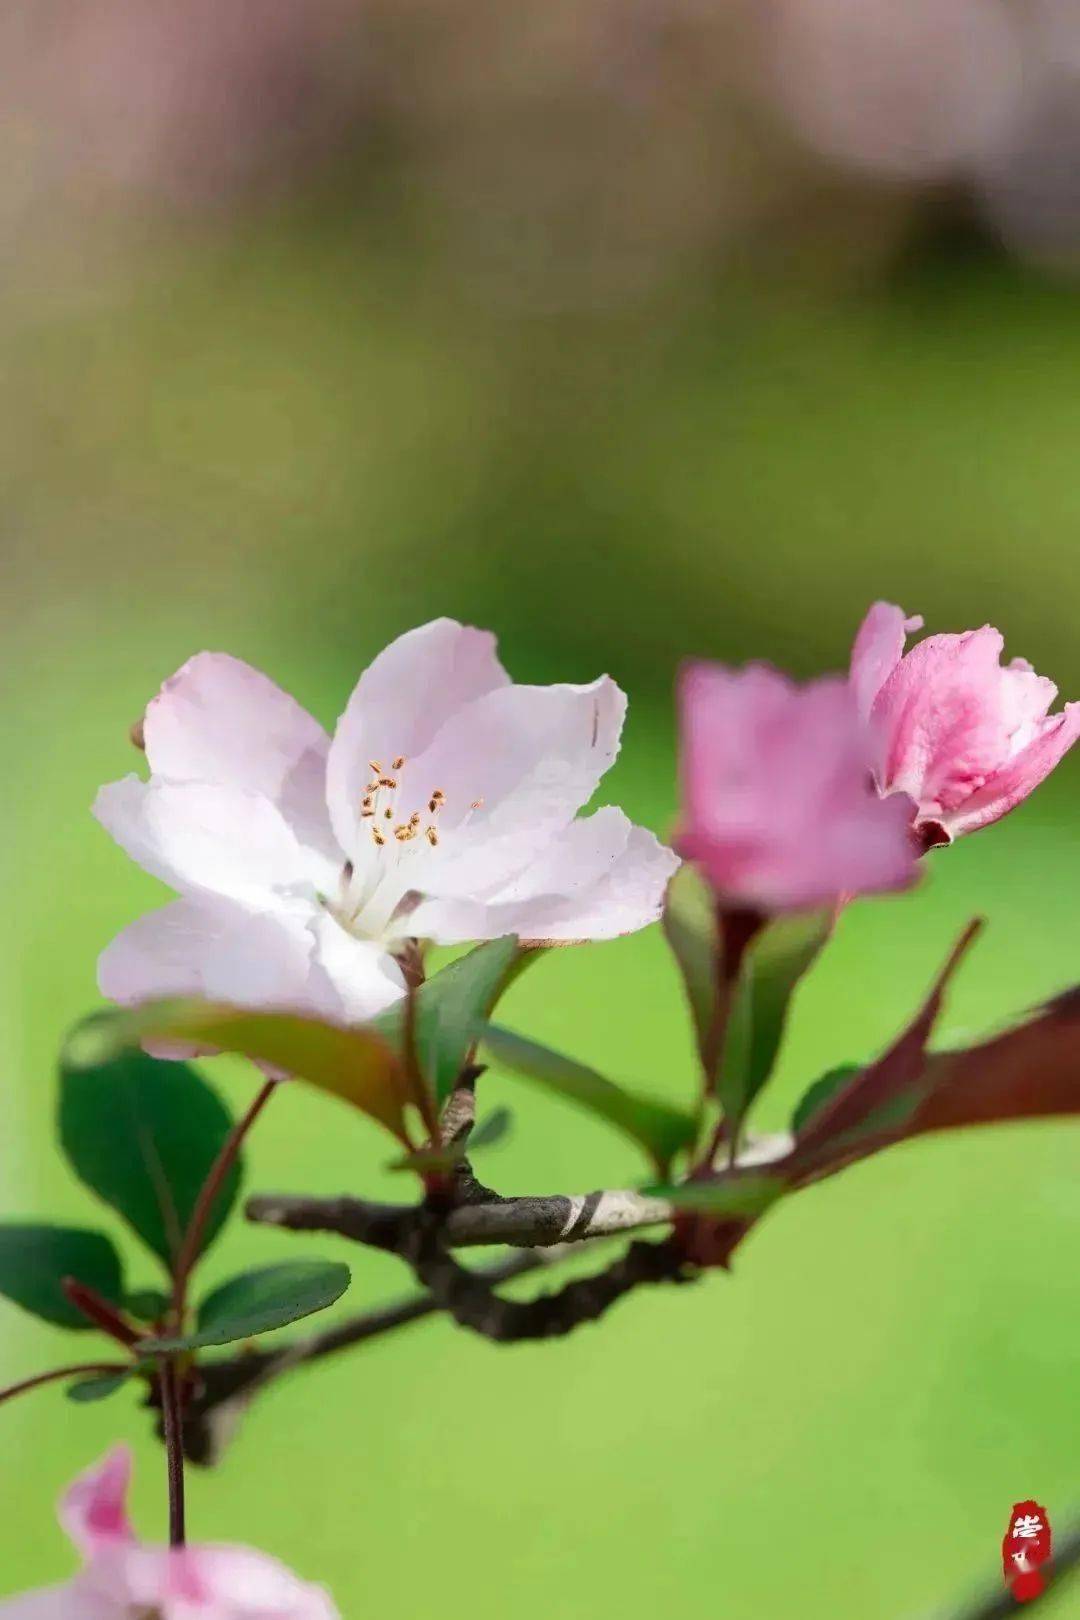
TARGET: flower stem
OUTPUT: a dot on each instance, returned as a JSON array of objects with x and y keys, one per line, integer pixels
[
  {"x": 172, "y": 1425},
  {"x": 80, "y": 1368},
  {"x": 208, "y": 1196}
]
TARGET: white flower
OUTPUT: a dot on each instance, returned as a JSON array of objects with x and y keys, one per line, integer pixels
[{"x": 443, "y": 809}]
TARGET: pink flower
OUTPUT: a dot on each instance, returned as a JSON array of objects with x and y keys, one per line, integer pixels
[
  {"x": 778, "y": 809},
  {"x": 123, "y": 1578},
  {"x": 965, "y": 737},
  {"x": 444, "y": 809}
]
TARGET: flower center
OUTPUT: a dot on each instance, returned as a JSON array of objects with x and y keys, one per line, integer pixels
[
  {"x": 372, "y": 891},
  {"x": 379, "y": 806}
]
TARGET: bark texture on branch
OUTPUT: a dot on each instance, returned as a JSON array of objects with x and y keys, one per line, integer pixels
[{"x": 482, "y": 1217}]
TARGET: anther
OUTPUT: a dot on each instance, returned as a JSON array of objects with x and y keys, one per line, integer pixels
[
  {"x": 477, "y": 804},
  {"x": 367, "y": 811},
  {"x": 374, "y": 767},
  {"x": 398, "y": 763},
  {"x": 387, "y": 782},
  {"x": 388, "y": 813},
  {"x": 432, "y": 836},
  {"x": 378, "y": 837}
]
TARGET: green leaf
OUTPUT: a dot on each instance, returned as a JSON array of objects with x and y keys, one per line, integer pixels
[
  {"x": 355, "y": 1064},
  {"x": 774, "y": 962},
  {"x": 487, "y": 1133},
  {"x": 661, "y": 1130},
  {"x": 816, "y": 1096},
  {"x": 451, "y": 1008},
  {"x": 98, "y": 1387},
  {"x": 259, "y": 1301},
  {"x": 35, "y": 1259},
  {"x": 731, "y": 1196},
  {"x": 143, "y": 1134},
  {"x": 689, "y": 924},
  {"x": 494, "y": 1128},
  {"x": 148, "y": 1304}
]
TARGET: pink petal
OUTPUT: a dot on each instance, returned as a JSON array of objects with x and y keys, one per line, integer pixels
[
  {"x": 209, "y": 837},
  {"x": 944, "y": 720},
  {"x": 219, "y": 720},
  {"x": 72, "y": 1602},
  {"x": 777, "y": 807},
  {"x": 400, "y": 702},
  {"x": 879, "y": 644},
  {"x": 599, "y": 878},
  {"x": 93, "y": 1510},
  {"x": 1020, "y": 776},
  {"x": 242, "y": 1584}
]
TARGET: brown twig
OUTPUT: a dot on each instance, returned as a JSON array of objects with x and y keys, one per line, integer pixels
[
  {"x": 228, "y": 1386},
  {"x": 172, "y": 1423},
  {"x": 208, "y": 1196}
]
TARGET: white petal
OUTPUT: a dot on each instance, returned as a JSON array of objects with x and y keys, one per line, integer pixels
[
  {"x": 209, "y": 837},
  {"x": 600, "y": 878},
  {"x": 212, "y": 948},
  {"x": 224, "y": 952},
  {"x": 399, "y": 704},
  {"x": 515, "y": 767},
  {"x": 219, "y": 720},
  {"x": 352, "y": 979}
]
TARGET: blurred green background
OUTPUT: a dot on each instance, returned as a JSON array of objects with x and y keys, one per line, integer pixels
[{"x": 292, "y": 430}]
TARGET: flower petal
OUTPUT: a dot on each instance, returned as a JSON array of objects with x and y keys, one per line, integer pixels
[
  {"x": 213, "y": 948},
  {"x": 778, "y": 810},
  {"x": 210, "y": 837},
  {"x": 400, "y": 702},
  {"x": 879, "y": 644},
  {"x": 1023, "y": 773},
  {"x": 597, "y": 879},
  {"x": 71, "y": 1602},
  {"x": 93, "y": 1510},
  {"x": 219, "y": 720},
  {"x": 242, "y": 1584},
  {"x": 515, "y": 767},
  {"x": 351, "y": 979},
  {"x": 942, "y": 714}
]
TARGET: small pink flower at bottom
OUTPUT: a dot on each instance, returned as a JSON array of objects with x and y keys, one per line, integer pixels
[
  {"x": 965, "y": 736},
  {"x": 124, "y": 1579},
  {"x": 779, "y": 811}
]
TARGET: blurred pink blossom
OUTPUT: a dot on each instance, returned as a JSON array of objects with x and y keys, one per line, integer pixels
[
  {"x": 965, "y": 737},
  {"x": 778, "y": 807},
  {"x": 122, "y": 1577}
]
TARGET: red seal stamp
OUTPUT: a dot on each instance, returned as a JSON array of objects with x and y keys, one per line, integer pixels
[{"x": 1025, "y": 1552}]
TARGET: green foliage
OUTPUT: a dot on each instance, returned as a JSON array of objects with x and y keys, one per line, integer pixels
[
  {"x": 147, "y": 1303},
  {"x": 689, "y": 924},
  {"x": 661, "y": 1130},
  {"x": 143, "y": 1134},
  {"x": 816, "y": 1096},
  {"x": 355, "y": 1064},
  {"x": 35, "y": 1260},
  {"x": 491, "y": 1130},
  {"x": 774, "y": 962},
  {"x": 258, "y": 1301},
  {"x": 450, "y": 1008},
  {"x": 99, "y": 1387}
]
